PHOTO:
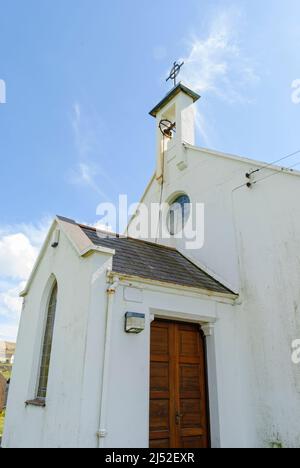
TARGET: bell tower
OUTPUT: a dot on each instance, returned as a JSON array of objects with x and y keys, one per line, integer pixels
[{"x": 175, "y": 117}]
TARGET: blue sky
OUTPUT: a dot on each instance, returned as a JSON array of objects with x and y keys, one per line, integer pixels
[{"x": 81, "y": 77}]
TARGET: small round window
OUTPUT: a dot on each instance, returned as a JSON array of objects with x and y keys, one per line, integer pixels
[{"x": 178, "y": 214}]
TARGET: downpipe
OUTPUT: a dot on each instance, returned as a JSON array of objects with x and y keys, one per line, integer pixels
[{"x": 102, "y": 433}]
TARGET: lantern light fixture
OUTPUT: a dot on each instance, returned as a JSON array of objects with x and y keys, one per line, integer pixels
[{"x": 134, "y": 323}]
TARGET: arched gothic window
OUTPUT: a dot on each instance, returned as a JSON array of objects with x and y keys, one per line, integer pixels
[{"x": 47, "y": 345}]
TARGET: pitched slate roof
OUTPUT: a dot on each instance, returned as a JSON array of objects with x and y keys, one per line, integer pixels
[{"x": 152, "y": 261}]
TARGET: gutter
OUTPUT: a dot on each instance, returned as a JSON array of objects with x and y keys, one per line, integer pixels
[
  {"x": 229, "y": 298},
  {"x": 102, "y": 433}
]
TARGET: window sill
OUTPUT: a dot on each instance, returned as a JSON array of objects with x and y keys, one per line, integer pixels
[{"x": 37, "y": 402}]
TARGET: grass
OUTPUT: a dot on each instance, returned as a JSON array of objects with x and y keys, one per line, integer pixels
[
  {"x": 5, "y": 370},
  {"x": 2, "y": 417}
]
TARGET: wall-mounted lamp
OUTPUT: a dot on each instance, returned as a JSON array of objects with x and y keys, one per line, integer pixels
[
  {"x": 134, "y": 323},
  {"x": 55, "y": 239}
]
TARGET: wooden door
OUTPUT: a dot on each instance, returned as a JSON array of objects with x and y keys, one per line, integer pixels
[{"x": 178, "y": 402}]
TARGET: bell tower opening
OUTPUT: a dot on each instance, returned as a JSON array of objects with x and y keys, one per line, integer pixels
[{"x": 175, "y": 117}]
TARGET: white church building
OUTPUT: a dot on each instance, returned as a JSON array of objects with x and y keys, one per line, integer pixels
[{"x": 136, "y": 343}]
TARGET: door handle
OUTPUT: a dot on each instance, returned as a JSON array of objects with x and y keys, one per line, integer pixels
[{"x": 178, "y": 418}]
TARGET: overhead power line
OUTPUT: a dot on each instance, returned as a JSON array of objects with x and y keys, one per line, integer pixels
[
  {"x": 249, "y": 174},
  {"x": 279, "y": 170},
  {"x": 274, "y": 174}
]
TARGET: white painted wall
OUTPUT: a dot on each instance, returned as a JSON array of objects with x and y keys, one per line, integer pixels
[
  {"x": 72, "y": 412},
  {"x": 71, "y": 417},
  {"x": 128, "y": 405},
  {"x": 252, "y": 244},
  {"x": 268, "y": 222}
]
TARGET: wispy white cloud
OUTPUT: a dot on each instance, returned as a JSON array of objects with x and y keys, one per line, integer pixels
[
  {"x": 202, "y": 126},
  {"x": 9, "y": 332},
  {"x": 85, "y": 138},
  {"x": 36, "y": 232},
  {"x": 10, "y": 300},
  {"x": 85, "y": 174},
  {"x": 88, "y": 171},
  {"x": 17, "y": 255},
  {"x": 2, "y": 92},
  {"x": 217, "y": 63},
  {"x": 19, "y": 247}
]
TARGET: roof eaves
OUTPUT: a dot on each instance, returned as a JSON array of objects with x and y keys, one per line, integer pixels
[
  {"x": 39, "y": 258},
  {"x": 80, "y": 241},
  {"x": 166, "y": 284},
  {"x": 121, "y": 236},
  {"x": 252, "y": 162},
  {"x": 168, "y": 98}
]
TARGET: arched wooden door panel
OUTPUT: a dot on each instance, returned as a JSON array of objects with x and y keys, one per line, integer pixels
[{"x": 178, "y": 400}]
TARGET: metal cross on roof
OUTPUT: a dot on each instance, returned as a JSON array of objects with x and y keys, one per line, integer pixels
[{"x": 175, "y": 72}]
